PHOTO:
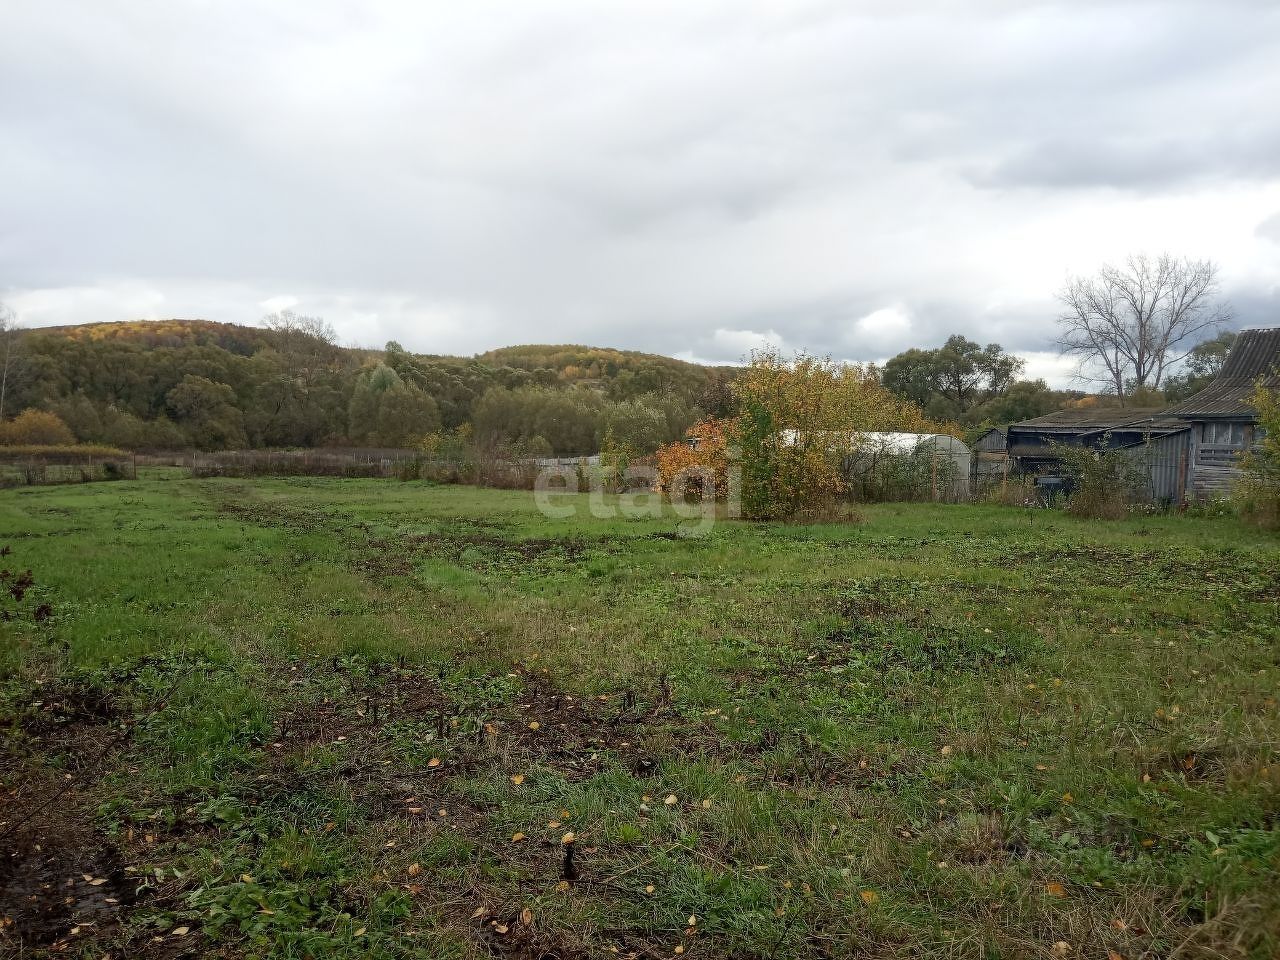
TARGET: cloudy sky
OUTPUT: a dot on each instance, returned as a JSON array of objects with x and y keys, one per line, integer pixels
[{"x": 691, "y": 178}]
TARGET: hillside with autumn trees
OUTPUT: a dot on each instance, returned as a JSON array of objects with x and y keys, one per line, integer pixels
[{"x": 171, "y": 384}]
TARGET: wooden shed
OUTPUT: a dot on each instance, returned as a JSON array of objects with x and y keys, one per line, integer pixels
[
  {"x": 1031, "y": 442},
  {"x": 1190, "y": 451},
  {"x": 1221, "y": 421}
]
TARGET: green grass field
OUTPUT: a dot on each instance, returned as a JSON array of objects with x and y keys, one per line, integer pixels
[{"x": 326, "y": 718}]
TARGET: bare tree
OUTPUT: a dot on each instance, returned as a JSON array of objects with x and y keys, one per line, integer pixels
[
  {"x": 307, "y": 343},
  {"x": 1138, "y": 321},
  {"x": 10, "y": 351},
  {"x": 288, "y": 324}
]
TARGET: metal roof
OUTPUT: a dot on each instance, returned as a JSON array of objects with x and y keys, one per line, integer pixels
[
  {"x": 1254, "y": 356},
  {"x": 1089, "y": 418},
  {"x": 880, "y": 441}
]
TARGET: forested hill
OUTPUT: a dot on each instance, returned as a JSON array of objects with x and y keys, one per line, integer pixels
[
  {"x": 232, "y": 337},
  {"x": 620, "y": 371},
  {"x": 180, "y": 383}
]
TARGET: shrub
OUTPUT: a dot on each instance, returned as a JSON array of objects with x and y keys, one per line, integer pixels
[
  {"x": 797, "y": 421},
  {"x": 683, "y": 463},
  {"x": 1104, "y": 483},
  {"x": 1258, "y": 494},
  {"x": 1017, "y": 490},
  {"x": 59, "y": 453},
  {"x": 36, "y": 428},
  {"x": 615, "y": 460}
]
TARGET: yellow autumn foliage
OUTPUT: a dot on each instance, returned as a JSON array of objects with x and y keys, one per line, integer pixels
[{"x": 796, "y": 419}]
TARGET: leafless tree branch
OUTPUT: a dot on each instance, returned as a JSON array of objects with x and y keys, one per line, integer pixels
[{"x": 1136, "y": 322}]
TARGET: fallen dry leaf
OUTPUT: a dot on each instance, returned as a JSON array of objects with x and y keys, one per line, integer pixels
[
  {"x": 518, "y": 779},
  {"x": 1054, "y": 889},
  {"x": 869, "y": 897}
]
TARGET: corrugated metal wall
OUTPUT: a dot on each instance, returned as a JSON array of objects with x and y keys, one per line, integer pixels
[
  {"x": 991, "y": 442},
  {"x": 1167, "y": 461}
]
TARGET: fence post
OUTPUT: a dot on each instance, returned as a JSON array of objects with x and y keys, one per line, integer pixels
[{"x": 934, "y": 466}]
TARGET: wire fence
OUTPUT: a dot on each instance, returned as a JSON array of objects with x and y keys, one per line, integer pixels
[
  {"x": 51, "y": 468},
  {"x": 1167, "y": 475}
]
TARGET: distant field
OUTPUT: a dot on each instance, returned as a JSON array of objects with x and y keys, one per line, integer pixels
[{"x": 358, "y": 718}]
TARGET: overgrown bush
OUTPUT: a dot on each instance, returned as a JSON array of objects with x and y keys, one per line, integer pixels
[
  {"x": 616, "y": 456},
  {"x": 1104, "y": 483},
  {"x": 1258, "y": 494},
  {"x": 880, "y": 474},
  {"x": 36, "y": 428},
  {"x": 684, "y": 465},
  {"x": 1015, "y": 490},
  {"x": 797, "y": 421}
]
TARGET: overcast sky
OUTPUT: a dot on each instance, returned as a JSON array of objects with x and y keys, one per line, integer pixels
[{"x": 690, "y": 178}]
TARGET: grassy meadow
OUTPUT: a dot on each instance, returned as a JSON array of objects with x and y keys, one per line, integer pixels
[{"x": 361, "y": 718}]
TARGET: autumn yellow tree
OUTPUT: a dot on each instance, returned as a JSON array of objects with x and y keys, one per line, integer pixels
[
  {"x": 685, "y": 463},
  {"x": 797, "y": 418},
  {"x": 37, "y": 427}
]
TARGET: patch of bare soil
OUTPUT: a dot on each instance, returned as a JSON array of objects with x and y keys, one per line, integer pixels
[
  {"x": 262, "y": 514},
  {"x": 71, "y": 720},
  {"x": 479, "y": 549},
  {"x": 62, "y": 883},
  {"x": 58, "y": 879},
  {"x": 540, "y": 726},
  {"x": 537, "y": 727}
]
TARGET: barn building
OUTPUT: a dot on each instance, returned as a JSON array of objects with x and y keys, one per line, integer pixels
[
  {"x": 1189, "y": 451},
  {"x": 1222, "y": 425}
]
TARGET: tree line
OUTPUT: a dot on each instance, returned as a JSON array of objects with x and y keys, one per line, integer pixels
[
  {"x": 183, "y": 384},
  {"x": 1149, "y": 331}
]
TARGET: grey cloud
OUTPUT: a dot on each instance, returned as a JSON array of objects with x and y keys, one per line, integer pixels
[
  {"x": 1136, "y": 163},
  {"x": 1270, "y": 228},
  {"x": 670, "y": 177}
]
